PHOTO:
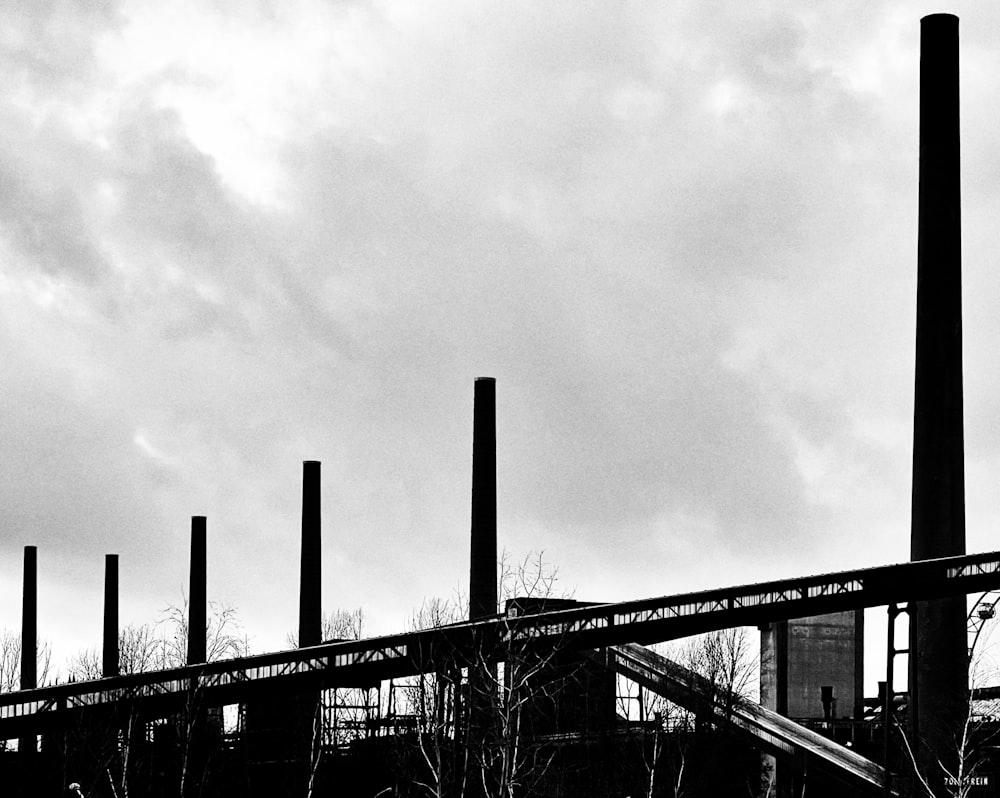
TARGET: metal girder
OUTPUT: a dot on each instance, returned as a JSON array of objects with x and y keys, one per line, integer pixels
[
  {"x": 583, "y": 627},
  {"x": 776, "y": 733}
]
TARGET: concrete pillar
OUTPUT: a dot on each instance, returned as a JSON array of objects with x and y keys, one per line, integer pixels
[
  {"x": 858, "y": 708},
  {"x": 311, "y": 573}
]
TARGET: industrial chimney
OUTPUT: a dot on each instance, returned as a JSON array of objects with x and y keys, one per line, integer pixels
[
  {"x": 29, "y": 620},
  {"x": 198, "y": 605},
  {"x": 938, "y": 646},
  {"x": 311, "y": 573},
  {"x": 483, "y": 559},
  {"x": 110, "y": 663}
]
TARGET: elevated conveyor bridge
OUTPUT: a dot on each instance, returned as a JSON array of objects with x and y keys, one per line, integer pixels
[
  {"x": 774, "y": 733},
  {"x": 360, "y": 662}
]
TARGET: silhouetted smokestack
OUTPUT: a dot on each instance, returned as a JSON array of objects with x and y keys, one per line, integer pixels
[
  {"x": 483, "y": 560},
  {"x": 938, "y": 644},
  {"x": 198, "y": 604},
  {"x": 311, "y": 569},
  {"x": 111, "y": 664},
  {"x": 29, "y": 620}
]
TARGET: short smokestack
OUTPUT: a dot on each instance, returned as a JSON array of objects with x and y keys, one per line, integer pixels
[
  {"x": 311, "y": 569},
  {"x": 483, "y": 560},
  {"x": 29, "y": 620},
  {"x": 111, "y": 665},
  {"x": 198, "y": 604},
  {"x": 938, "y": 644}
]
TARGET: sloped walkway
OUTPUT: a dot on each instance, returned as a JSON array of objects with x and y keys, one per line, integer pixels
[{"x": 775, "y": 732}]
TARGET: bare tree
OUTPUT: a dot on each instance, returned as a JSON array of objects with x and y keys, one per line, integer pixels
[
  {"x": 958, "y": 769},
  {"x": 10, "y": 665},
  {"x": 149, "y": 647},
  {"x": 473, "y": 716},
  {"x": 526, "y": 687},
  {"x": 338, "y": 625},
  {"x": 347, "y": 711},
  {"x": 531, "y": 577},
  {"x": 432, "y": 700},
  {"x": 10, "y": 661},
  {"x": 678, "y": 739},
  {"x": 725, "y": 660},
  {"x": 139, "y": 651},
  {"x": 662, "y": 732},
  {"x": 225, "y": 638},
  {"x": 340, "y": 714}
]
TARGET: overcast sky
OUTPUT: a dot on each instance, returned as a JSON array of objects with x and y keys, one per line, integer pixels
[{"x": 681, "y": 235}]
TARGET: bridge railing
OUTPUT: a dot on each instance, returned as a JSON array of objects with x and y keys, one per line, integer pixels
[{"x": 366, "y": 662}]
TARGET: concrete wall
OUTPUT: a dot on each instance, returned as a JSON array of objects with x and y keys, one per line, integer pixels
[{"x": 800, "y": 656}]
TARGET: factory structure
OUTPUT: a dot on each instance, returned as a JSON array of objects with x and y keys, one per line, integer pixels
[{"x": 553, "y": 697}]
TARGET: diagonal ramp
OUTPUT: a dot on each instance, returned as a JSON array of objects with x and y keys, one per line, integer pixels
[{"x": 775, "y": 732}]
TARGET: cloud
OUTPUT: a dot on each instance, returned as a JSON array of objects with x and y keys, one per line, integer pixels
[
  {"x": 51, "y": 45},
  {"x": 682, "y": 241}
]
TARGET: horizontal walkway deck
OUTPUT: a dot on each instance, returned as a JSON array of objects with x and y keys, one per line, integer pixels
[{"x": 355, "y": 662}]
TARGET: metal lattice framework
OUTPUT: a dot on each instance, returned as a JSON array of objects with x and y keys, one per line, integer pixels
[
  {"x": 366, "y": 662},
  {"x": 984, "y": 609}
]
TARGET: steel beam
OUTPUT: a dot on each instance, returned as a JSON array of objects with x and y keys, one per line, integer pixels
[{"x": 355, "y": 662}]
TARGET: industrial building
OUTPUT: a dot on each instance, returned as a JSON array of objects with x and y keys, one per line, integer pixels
[{"x": 527, "y": 700}]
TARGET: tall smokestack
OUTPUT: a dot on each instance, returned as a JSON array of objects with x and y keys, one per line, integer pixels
[
  {"x": 29, "y": 620},
  {"x": 198, "y": 604},
  {"x": 111, "y": 663},
  {"x": 483, "y": 560},
  {"x": 938, "y": 644},
  {"x": 310, "y": 572}
]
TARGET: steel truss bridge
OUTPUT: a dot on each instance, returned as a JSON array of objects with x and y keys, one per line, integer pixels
[{"x": 586, "y": 627}]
